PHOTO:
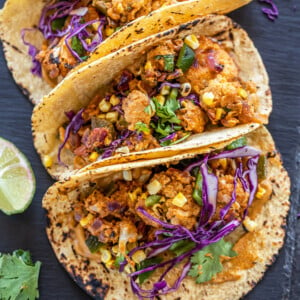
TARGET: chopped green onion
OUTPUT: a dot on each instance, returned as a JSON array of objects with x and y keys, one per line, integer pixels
[
  {"x": 151, "y": 200},
  {"x": 93, "y": 243},
  {"x": 186, "y": 58},
  {"x": 77, "y": 46},
  {"x": 237, "y": 143},
  {"x": 197, "y": 193},
  {"x": 261, "y": 168},
  {"x": 182, "y": 246}
]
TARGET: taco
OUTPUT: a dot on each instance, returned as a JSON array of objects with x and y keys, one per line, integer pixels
[
  {"x": 50, "y": 38},
  {"x": 194, "y": 226},
  {"x": 169, "y": 90}
]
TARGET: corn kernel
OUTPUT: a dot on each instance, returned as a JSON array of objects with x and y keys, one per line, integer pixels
[
  {"x": 160, "y": 99},
  {"x": 105, "y": 255},
  {"x": 104, "y": 106},
  {"x": 93, "y": 156},
  {"x": 107, "y": 141},
  {"x": 110, "y": 264},
  {"x": 109, "y": 31},
  {"x": 112, "y": 116},
  {"x": 148, "y": 66},
  {"x": 115, "y": 249},
  {"x": 114, "y": 100},
  {"x": 179, "y": 200},
  {"x": 219, "y": 113},
  {"x": 87, "y": 220},
  {"x": 165, "y": 90},
  {"x": 88, "y": 41},
  {"x": 101, "y": 116},
  {"x": 208, "y": 98},
  {"x": 96, "y": 25},
  {"x": 243, "y": 93},
  {"x": 192, "y": 41},
  {"x": 139, "y": 256},
  {"x": 249, "y": 224},
  {"x": 48, "y": 161},
  {"x": 260, "y": 192}
]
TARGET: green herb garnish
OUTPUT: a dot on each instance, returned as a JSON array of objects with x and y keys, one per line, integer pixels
[
  {"x": 141, "y": 127},
  {"x": 197, "y": 193},
  {"x": 19, "y": 276},
  {"x": 168, "y": 62},
  {"x": 206, "y": 262}
]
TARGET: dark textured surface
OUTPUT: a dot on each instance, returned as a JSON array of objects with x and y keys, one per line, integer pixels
[{"x": 278, "y": 44}]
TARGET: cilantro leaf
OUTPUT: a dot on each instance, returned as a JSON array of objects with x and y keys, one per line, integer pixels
[
  {"x": 18, "y": 276},
  {"x": 182, "y": 246},
  {"x": 206, "y": 262},
  {"x": 141, "y": 127},
  {"x": 168, "y": 61},
  {"x": 58, "y": 24}
]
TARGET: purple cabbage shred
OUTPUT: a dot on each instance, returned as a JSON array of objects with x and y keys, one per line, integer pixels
[
  {"x": 272, "y": 12},
  {"x": 76, "y": 121},
  {"x": 206, "y": 232}
]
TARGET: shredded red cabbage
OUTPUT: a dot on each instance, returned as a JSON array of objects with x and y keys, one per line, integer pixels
[
  {"x": 169, "y": 137},
  {"x": 116, "y": 143},
  {"x": 172, "y": 85},
  {"x": 32, "y": 51},
  {"x": 193, "y": 97},
  {"x": 75, "y": 124},
  {"x": 272, "y": 12},
  {"x": 206, "y": 232}
]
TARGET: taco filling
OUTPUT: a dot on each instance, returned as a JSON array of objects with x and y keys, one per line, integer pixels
[
  {"x": 153, "y": 220},
  {"x": 181, "y": 87},
  {"x": 73, "y": 29}
]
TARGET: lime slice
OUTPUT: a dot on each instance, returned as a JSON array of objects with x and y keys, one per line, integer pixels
[{"x": 17, "y": 181}]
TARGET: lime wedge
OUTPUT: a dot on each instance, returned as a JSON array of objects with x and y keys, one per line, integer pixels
[{"x": 17, "y": 181}]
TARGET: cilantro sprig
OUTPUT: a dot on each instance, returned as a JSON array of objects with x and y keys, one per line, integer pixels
[
  {"x": 206, "y": 263},
  {"x": 18, "y": 276}
]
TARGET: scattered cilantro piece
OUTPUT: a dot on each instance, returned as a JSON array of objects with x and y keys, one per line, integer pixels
[
  {"x": 77, "y": 46},
  {"x": 119, "y": 259},
  {"x": 150, "y": 108},
  {"x": 168, "y": 61},
  {"x": 18, "y": 276},
  {"x": 206, "y": 262},
  {"x": 145, "y": 264},
  {"x": 141, "y": 127}
]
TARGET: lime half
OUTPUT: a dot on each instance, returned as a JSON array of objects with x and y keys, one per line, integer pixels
[{"x": 17, "y": 181}]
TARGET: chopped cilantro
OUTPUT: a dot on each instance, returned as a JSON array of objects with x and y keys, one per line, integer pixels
[
  {"x": 141, "y": 127},
  {"x": 206, "y": 262},
  {"x": 168, "y": 61},
  {"x": 18, "y": 276}
]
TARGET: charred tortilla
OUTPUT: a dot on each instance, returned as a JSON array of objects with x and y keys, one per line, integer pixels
[
  {"x": 19, "y": 15},
  {"x": 256, "y": 249},
  {"x": 75, "y": 93}
]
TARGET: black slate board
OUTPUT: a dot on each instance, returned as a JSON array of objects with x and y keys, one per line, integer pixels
[{"x": 278, "y": 44}]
